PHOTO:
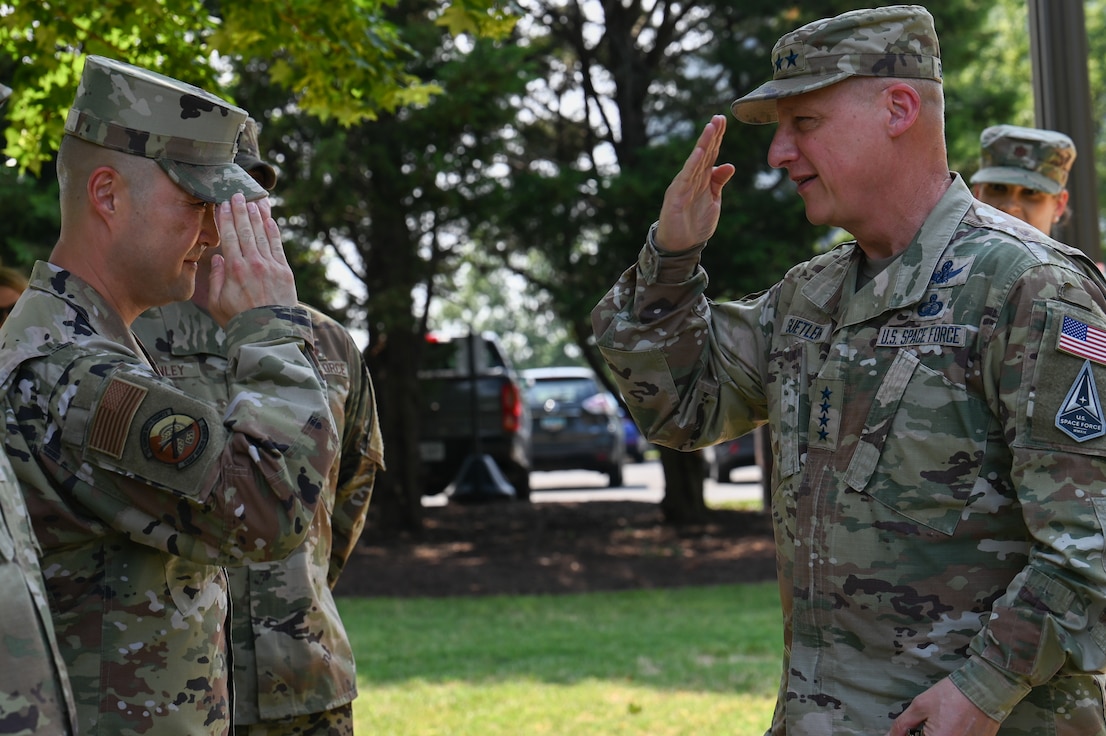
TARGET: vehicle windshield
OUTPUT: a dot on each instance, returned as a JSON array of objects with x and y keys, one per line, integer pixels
[
  {"x": 561, "y": 389},
  {"x": 453, "y": 355}
]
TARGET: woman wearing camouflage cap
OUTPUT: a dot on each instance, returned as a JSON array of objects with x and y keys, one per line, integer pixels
[
  {"x": 1024, "y": 173},
  {"x": 939, "y": 441}
]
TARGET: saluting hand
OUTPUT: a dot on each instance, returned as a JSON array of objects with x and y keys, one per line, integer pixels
[
  {"x": 693, "y": 200},
  {"x": 250, "y": 269}
]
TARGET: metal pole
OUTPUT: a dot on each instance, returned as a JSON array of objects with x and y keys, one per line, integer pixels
[
  {"x": 474, "y": 409},
  {"x": 1062, "y": 101}
]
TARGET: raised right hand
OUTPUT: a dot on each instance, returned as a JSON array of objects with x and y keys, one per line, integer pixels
[
  {"x": 250, "y": 269},
  {"x": 693, "y": 201}
]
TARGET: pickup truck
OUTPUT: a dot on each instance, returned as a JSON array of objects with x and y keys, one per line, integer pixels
[{"x": 447, "y": 421}]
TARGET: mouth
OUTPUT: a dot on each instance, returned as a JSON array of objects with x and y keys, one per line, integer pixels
[
  {"x": 195, "y": 259},
  {"x": 801, "y": 182}
]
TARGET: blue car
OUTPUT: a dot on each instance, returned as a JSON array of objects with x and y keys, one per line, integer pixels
[
  {"x": 635, "y": 443},
  {"x": 576, "y": 424}
]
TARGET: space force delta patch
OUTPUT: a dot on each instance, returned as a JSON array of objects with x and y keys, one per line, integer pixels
[{"x": 1080, "y": 415}]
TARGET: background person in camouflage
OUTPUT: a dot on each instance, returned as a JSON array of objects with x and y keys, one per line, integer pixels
[
  {"x": 939, "y": 484},
  {"x": 34, "y": 692},
  {"x": 1024, "y": 173},
  {"x": 138, "y": 492},
  {"x": 293, "y": 665}
]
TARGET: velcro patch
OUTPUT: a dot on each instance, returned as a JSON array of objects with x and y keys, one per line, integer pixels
[
  {"x": 912, "y": 336},
  {"x": 1082, "y": 340},
  {"x": 334, "y": 368},
  {"x": 174, "y": 439},
  {"x": 1080, "y": 416},
  {"x": 804, "y": 329},
  {"x": 113, "y": 417}
]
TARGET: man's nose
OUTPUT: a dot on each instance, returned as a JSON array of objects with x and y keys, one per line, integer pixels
[{"x": 782, "y": 149}]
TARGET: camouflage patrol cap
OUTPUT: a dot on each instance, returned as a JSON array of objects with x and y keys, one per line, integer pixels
[
  {"x": 894, "y": 41},
  {"x": 249, "y": 156},
  {"x": 1029, "y": 157},
  {"x": 189, "y": 132}
]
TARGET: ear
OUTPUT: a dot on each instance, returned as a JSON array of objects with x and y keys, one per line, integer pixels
[
  {"x": 905, "y": 105},
  {"x": 104, "y": 189}
]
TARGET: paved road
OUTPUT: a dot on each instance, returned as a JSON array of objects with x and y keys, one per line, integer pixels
[{"x": 642, "y": 482}]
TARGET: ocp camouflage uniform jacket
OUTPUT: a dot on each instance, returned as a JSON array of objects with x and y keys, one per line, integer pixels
[
  {"x": 932, "y": 518},
  {"x": 34, "y": 691},
  {"x": 291, "y": 652},
  {"x": 140, "y": 493}
]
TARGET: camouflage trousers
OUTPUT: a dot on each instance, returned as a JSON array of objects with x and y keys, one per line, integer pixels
[{"x": 335, "y": 722}]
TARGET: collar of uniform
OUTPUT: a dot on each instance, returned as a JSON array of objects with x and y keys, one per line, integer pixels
[
  {"x": 908, "y": 276},
  {"x": 44, "y": 321},
  {"x": 194, "y": 331},
  {"x": 81, "y": 296}
]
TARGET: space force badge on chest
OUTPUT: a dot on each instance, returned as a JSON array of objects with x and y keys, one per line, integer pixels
[{"x": 900, "y": 336}]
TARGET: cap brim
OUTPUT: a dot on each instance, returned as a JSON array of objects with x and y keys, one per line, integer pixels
[
  {"x": 1018, "y": 177},
  {"x": 759, "y": 106},
  {"x": 215, "y": 182},
  {"x": 262, "y": 172}
]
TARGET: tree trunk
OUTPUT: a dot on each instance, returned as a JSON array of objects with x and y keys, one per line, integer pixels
[
  {"x": 397, "y": 497},
  {"x": 683, "y": 501}
]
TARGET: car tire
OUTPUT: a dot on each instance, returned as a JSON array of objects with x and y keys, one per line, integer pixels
[
  {"x": 721, "y": 474},
  {"x": 614, "y": 477}
]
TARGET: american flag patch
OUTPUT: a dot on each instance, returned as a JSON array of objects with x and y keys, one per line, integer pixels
[
  {"x": 1083, "y": 340},
  {"x": 113, "y": 417}
]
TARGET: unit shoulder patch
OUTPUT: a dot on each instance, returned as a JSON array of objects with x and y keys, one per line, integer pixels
[{"x": 174, "y": 439}]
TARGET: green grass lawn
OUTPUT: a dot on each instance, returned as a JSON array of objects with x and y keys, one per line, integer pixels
[{"x": 695, "y": 661}]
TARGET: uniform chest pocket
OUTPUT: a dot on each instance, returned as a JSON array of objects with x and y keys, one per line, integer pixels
[{"x": 922, "y": 446}]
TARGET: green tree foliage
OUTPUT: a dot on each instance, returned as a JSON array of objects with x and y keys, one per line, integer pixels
[
  {"x": 627, "y": 88},
  {"x": 341, "y": 60},
  {"x": 395, "y": 199}
]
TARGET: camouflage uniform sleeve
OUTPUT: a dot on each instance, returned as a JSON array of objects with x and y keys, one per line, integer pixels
[
  {"x": 362, "y": 456},
  {"x": 679, "y": 358},
  {"x": 35, "y": 694},
  {"x": 1052, "y": 618},
  {"x": 171, "y": 471}
]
